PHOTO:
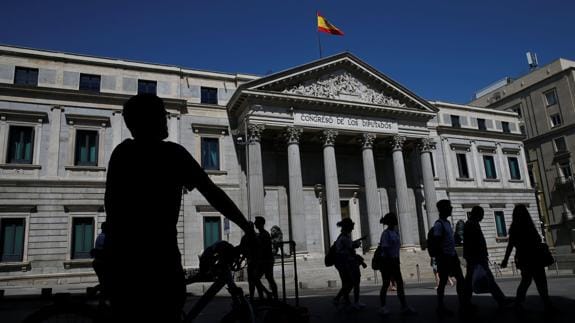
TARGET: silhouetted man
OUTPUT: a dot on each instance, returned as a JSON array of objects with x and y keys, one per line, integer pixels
[
  {"x": 267, "y": 260},
  {"x": 475, "y": 254},
  {"x": 145, "y": 180},
  {"x": 447, "y": 261}
]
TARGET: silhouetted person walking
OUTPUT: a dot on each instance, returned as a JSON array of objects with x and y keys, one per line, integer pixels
[
  {"x": 524, "y": 237},
  {"x": 347, "y": 264},
  {"x": 390, "y": 266},
  {"x": 476, "y": 255},
  {"x": 145, "y": 179},
  {"x": 447, "y": 261},
  {"x": 266, "y": 262}
]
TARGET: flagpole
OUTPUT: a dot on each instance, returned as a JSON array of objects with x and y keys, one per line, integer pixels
[{"x": 319, "y": 43}]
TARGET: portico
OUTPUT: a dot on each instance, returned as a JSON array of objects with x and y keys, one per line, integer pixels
[{"x": 345, "y": 141}]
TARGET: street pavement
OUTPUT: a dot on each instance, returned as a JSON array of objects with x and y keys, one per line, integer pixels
[{"x": 421, "y": 297}]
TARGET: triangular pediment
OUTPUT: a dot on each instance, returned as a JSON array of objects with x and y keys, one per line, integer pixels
[
  {"x": 343, "y": 85},
  {"x": 339, "y": 78}
]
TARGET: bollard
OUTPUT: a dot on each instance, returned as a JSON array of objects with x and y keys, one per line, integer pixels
[{"x": 418, "y": 274}]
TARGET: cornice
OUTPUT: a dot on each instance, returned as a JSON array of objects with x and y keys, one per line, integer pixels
[
  {"x": 76, "y": 96},
  {"x": 479, "y": 133},
  {"x": 323, "y": 102}
]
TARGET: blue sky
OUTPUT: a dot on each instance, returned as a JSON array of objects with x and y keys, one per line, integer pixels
[{"x": 440, "y": 49}]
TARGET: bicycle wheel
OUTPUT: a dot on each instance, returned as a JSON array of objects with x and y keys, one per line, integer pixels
[{"x": 64, "y": 313}]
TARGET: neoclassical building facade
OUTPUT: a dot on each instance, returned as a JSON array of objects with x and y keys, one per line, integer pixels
[{"x": 303, "y": 148}]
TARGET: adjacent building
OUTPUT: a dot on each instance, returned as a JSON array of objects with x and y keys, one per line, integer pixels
[
  {"x": 304, "y": 148},
  {"x": 544, "y": 99}
]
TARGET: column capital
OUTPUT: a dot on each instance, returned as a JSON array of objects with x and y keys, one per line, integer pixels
[
  {"x": 367, "y": 140},
  {"x": 255, "y": 132},
  {"x": 397, "y": 142},
  {"x": 426, "y": 145},
  {"x": 292, "y": 135},
  {"x": 328, "y": 137}
]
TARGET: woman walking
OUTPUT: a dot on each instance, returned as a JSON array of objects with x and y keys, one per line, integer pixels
[
  {"x": 524, "y": 237},
  {"x": 347, "y": 264},
  {"x": 390, "y": 268}
]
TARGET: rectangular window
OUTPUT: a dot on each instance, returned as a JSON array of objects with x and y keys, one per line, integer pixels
[
  {"x": 462, "y": 166},
  {"x": 26, "y": 76},
  {"x": 566, "y": 169},
  {"x": 211, "y": 153},
  {"x": 86, "y": 148},
  {"x": 12, "y": 240},
  {"x": 500, "y": 224},
  {"x": 147, "y": 87},
  {"x": 505, "y": 126},
  {"x": 209, "y": 95},
  {"x": 212, "y": 230},
  {"x": 514, "y": 168},
  {"x": 481, "y": 124},
  {"x": 560, "y": 145},
  {"x": 522, "y": 129},
  {"x": 455, "y": 121},
  {"x": 489, "y": 164},
  {"x": 555, "y": 120},
  {"x": 90, "y": 82},
  {"x": 550, "y": 97},
  {"x": 82, "y": 237},
  {"x": 20, "y": 145}
]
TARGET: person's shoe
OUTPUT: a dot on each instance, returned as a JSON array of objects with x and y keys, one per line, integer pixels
[
  {"x": 358, "y": 305},
  {"x": 443, "y": 312},
  {"x": 408, "y": 310},
  {"x": 383, "y": 311}
]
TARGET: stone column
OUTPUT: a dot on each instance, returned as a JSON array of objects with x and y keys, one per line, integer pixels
[
  {"x": 54, "y": 145},
  {"x": 173, "y": 123},
  {"x": 503, "y": 165},
  {"x": 371, "y": 193},
  {"x": 425, "y": 147},
  {"x": 296, "y": 201},
  {"x": 331, "y": 184},
  {"x": 405, "y": 219},
  {"x": 116, "y": 123},
  {"x": 524, "y": 170},
  {"x": 255, "y": 172},
  {"x": 477, "y": 164}
]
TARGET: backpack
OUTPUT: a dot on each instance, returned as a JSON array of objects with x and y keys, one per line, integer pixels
[
  {"x": 433, "y": 242},
  {"x": 329, "y": 259},
  {"x": 377, "y": 259}
]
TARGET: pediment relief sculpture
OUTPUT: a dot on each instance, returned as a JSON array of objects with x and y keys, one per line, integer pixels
[{"x": 342, "y": 85}]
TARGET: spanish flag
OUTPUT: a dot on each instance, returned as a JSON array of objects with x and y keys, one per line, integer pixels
[{"x": 324, "y": 26}]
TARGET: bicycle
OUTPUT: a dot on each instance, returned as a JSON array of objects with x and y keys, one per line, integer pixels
[{"x": 217, "y": 264}]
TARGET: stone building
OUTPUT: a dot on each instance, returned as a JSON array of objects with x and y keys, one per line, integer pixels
[
  {"x": 545, "y": 102},
  {"x": 304, "y": 148}
]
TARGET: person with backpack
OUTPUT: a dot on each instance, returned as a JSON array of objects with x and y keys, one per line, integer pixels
[
  {"x": 389, "y": 264},
  {"x": 477, "y": 258},
  {"x": 441, "y": 244},
  {"x": 347, "y": 263}
]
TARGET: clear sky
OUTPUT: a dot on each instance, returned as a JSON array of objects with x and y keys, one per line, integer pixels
[{"x": 440, "y": 49}]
